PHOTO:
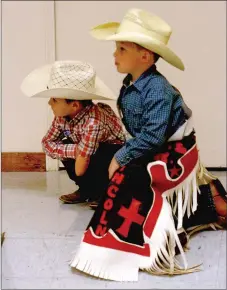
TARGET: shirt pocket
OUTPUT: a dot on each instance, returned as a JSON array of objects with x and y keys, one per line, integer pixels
[{"x": 133, "y": 118}]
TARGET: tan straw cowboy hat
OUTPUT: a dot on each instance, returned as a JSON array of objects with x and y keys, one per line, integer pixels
[
  {"x": 75, "y": 80},
  {"x": 143, "y": 28}
]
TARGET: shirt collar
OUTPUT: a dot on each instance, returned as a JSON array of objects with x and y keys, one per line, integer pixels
[{"x": 140, "y": 83}]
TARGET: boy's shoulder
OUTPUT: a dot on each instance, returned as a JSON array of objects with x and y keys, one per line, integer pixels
[
  {"x": 99, "y": 111},
  {"x": 150, "y": 80},
  {"x": 159, "y": 83},
  {"x": 103, "y": 108},
  {"x": 157, "y": 80}
]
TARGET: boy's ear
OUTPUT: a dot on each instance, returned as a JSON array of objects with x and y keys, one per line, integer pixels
[
  {"x": 76, "y": 104},
  {"x": 146, "y": 55}
]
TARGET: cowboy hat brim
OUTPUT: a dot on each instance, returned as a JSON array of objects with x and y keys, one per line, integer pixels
[
  {"x": 108, "y": 31},
  {"x": 35, "y": 85}
]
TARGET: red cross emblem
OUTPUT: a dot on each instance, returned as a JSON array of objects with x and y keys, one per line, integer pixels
[{"x": 131, "y": 215}]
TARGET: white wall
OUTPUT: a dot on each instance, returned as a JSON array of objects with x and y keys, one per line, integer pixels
[
  {"x": 27, "y": 42},
  {"x": 199, "y": 38}
]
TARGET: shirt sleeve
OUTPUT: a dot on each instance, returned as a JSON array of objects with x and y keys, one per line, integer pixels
[
  {"x": 52, "y": 143},
  {"x": 91, "y": 137},
  {"x": 155, "y": 119}
]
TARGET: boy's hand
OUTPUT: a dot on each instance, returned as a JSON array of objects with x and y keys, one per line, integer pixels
[{"x": 113, "y": 167}]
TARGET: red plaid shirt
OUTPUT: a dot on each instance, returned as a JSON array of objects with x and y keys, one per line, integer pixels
[{"x": 91, "y": 126}]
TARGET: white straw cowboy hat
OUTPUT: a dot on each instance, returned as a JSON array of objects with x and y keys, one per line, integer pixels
[
  {"x": 75, "y": 80},
  {"x": 143, "y": 28}
]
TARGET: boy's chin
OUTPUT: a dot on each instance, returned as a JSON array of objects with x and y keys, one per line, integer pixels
[
  {"x": 59, "y": 115},
  {"x": 122, "y": 71}
]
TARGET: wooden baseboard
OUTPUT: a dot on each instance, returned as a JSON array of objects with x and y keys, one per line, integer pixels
[
  {"x": 36, "y": 162},
  {"x": 23, "y": 161}
]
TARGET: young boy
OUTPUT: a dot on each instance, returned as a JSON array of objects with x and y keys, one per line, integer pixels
[
  {"x": 83, "y": 135},
  {"x": 156, "y": 177}
]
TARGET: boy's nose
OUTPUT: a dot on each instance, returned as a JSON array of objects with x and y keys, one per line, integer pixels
[{"x": 50, "y": 101}]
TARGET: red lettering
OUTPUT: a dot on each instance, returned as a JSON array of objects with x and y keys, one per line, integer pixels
[
  {"x": 118, "y": 177},
  {"x": 102, "y": 219},
  {"x": 108, "y": 204},
  {"x": 112, "y": 190},
  {"x": 100, "y": 230}
]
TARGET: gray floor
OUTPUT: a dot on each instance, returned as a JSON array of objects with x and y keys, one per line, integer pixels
[{"x": 42, "y": 233}]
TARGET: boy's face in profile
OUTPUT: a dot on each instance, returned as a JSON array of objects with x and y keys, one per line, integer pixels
[
  {"x": 61, "y": 108},
  {"x": 127, "y": 57},
  {"x": 132, "y": 58}
]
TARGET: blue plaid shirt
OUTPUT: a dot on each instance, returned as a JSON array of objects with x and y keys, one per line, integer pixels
[{"x": 151, "y": 110}]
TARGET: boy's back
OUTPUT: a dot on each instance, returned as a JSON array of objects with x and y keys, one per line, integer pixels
[{"x": 97, "y": 123}]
